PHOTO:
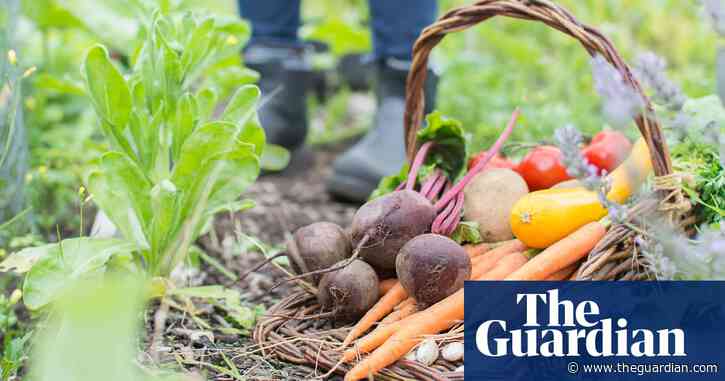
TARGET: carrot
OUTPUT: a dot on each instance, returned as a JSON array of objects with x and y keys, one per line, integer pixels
[
  {"x": 386, "y": 285},
  {"x": 377, "y": 337},
  {"x": 504, "y": 267},
  {"x": 436, "y": 318},
  {"x": 563, "y": 274},
  {"x": 487, "y": 261},
  {"x": 477, "y": 250},
  {"x": 561, "y": 254},
  {"x": 383, "y": 307},
  {"x": 398, "y": 311},
  {"x": 481, "y": 271}
]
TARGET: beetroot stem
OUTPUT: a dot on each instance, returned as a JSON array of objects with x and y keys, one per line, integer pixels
[
  {"x": 428, "y": 183},
  {"x": 417, "y": 163},
  {"x": 453, "y": 192},
  {"x": 437, "y": 225},
  {"x": 438, "y": 186},
  {"x": 451, "y": 222},
  {"x": 433, "y": 185}
]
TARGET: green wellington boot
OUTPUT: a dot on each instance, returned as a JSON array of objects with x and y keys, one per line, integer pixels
[{"x": 382, "y": 151}]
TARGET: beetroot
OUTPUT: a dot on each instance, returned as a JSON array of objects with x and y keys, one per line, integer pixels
[
  {"x": 313, "y": 249},
  {"x": 350, "y": 291},
  {"x": 318, "y": 246},
  {"x": 383, "y": 225},
  {"x": 431, "y": 267}
]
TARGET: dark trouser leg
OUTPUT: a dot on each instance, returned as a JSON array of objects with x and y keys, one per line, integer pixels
[
  {"x": 277, "y": 54},
  {"x": 396, "y": 25},
  {"x": 272, "y": 20}
]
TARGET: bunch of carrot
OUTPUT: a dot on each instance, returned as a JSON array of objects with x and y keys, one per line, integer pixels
[{"x": 400, "y": 326}]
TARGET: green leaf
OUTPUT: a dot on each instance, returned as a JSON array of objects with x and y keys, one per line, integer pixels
[
  {"x": 237, "y": 171},
  {"x": 198, "y": 45},
  {"x": 107, "y": 88},
  {"x": 93, "y": 333},
  {"x": 214, "y": 157},
  {"x": 275, "y": 158},
  {"x": 110, "y": 21},
  {"x": 23, "y": 260},
  {"x": 206, "y": 100},
  {"x": 58, "y": 265},
  {"x": 60, "y": 85},
  {"x": 123, "y": 193},
  {"x": 185, "y": 122},
  {"x": 449, "y": 150},
  {"x": 467, "y": 232},
  {"x": 49, "y": 14},
  {"x": 164, "y": 198},
  {"x": 241, "y": 105}
]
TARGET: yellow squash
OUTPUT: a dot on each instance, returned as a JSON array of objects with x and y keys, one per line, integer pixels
[{"x": 541, "y": 218}]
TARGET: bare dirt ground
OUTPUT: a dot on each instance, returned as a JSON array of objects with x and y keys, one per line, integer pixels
[{"x": 285, "y": 201}]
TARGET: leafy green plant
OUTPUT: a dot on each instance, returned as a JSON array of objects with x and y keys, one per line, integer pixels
[
  {"x": 92, "y": 334},
  {"x": 172, "y": 163}
]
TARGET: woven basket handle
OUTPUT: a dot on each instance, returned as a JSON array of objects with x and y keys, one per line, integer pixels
[{"x": 537, "y": 10}]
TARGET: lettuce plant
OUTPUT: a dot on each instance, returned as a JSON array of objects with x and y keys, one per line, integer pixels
[{"x": 172, "y": 162}]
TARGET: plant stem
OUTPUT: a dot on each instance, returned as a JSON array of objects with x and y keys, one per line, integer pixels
[{"x": 417, "y": 162}]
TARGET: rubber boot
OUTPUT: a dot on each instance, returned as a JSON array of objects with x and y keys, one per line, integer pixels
[
  {"x": 285, "y": 77},
  {"x": 382, "y": 151}
]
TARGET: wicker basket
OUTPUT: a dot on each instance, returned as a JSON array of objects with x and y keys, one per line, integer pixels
[
  {"x": 290, "y": 330},
  {"x": 616, "y": 256}
]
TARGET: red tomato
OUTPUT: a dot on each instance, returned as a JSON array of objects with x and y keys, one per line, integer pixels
[
  {"x": 497, "y": 161},
  {"x": 542, "y": 168},
  {"x": 607, "y": 150}
]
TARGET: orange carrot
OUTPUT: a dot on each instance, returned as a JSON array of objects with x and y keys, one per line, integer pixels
[
  {"x": 382, "y": 334},
  {"x": 383, "y": 307},
  {"x": 487, "y": 261},
  {"x": 386, "y": 285},
  {"x": 563, "y": 274},
  {"x": 435, "y": 319},
  {"x": 398, "y": 311},
  {"x": 561, "y": 254},
  {"x": 504, "y": 267},
  {"x": 477, "y": 250}
]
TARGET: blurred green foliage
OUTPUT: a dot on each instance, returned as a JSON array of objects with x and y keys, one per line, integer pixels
[{"x": 490, "y": 69}]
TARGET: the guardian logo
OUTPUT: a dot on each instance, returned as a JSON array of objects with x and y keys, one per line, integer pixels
[{"x": 573, "y": 330}]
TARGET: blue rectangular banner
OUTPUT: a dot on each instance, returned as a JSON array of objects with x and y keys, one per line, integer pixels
[{"x": 558, "y": 331}]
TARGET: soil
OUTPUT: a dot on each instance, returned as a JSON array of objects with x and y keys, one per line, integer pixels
[{"x": 284, "y": 202}]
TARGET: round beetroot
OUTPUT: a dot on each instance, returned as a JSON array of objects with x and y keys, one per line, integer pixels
[
  {"x": 387, "y": 223},
  {"x": 431, "y": 267},
  {"x": 318, "y": 246},
  {"x": 350, "y": 291}
]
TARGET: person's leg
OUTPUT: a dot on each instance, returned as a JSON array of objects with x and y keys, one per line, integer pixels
[
  {"x": 272, "y": 20},
  {"x": 277, "y": 54},
  {"x": 396, "y": 25}
]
